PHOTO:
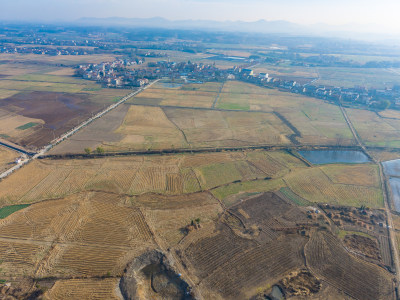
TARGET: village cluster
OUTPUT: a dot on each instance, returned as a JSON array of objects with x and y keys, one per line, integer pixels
[{"x": 121, "y": 73}]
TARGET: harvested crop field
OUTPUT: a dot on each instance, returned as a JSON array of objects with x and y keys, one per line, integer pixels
[
  {"x": 316, "y": 121},
  {"x": 335, "y": 184},
  {"x": 146, "y": 127},
  {"x": 331, "y": 262},
  {"x": 33, "y": 119},
  {"x": 84, "y": 289},
  {"x": 90, "y": 234},
  {"x": 375, "y": 130},
  {"x": 39, "y": 102},
  {"x": 189, "y": 95},
  {"x": 227, "y": 175},
  {"x": 7, "y": 158},
  {"x": 134, "y": 175},
  {"x": 326, "y": 185},
  {"x": 236, "y": 260}
]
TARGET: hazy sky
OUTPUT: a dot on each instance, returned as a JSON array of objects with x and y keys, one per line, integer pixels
[{"x": 381, "y": 12}]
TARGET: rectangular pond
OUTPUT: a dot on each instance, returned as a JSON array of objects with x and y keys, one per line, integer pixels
[
  {"x": 395, "y": 187},
  {"x": 392, "y": 167},
  {"x": 320, "y": 157}
]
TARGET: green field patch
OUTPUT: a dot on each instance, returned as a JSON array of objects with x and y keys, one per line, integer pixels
[
  {"x": 8, "y": 210},
  {"x": 256, "y": 186},
  {"x": 235, "y": 106},
  {"x": 342, "y": 233},
  {"x": 4, "y": 136},
  {"x": 218, "y": 174},
  {"x": 27, "y": 125},
  {"x": 294, "y": 198},
  {"x": 92, "y": 89},
  {"x": 116, "y": 99}
]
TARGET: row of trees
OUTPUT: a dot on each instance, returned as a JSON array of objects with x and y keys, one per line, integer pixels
[{"x": 99, "y": 150}]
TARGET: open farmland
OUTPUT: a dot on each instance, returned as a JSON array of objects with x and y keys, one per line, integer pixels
[
  {"x": 300, "y": 74},
  {"x": 7, "y": 158},
  {"x": 201, "y": 192},
  {"x": 40, "y": 102},
  {"x": 275, "y": 118},
  {"x": 81, "y": 235},
  {"x": 227, "y": 175},
  {"x": 376, "y": 130},
  {"x": 188, "y": 95},
  {"x": 145, "y": 127},
  {"x": 350, "y": 77},
  {"x": 330, "y": 261},
  {"x": 52, "y": 61},
  {"x": 91, "y": 217},
  {"x": 316, "y": 122},
  {"x": 172, "y": 174},
  {"x": 326, "y": 186},
  {"x": 336, "y": 184},
  {"x": 84, "y": 289}
]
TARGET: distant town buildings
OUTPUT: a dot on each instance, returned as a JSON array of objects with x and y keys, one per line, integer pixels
[{"x": 124, "y": 73}]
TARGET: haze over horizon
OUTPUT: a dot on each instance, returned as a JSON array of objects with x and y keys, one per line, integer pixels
[{"x": 379, "y": 16}]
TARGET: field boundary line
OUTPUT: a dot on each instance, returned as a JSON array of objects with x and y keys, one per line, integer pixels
[
  {"x": 218, "y": 95},
  {"x": 72, "y": 131},
  {"x": 176, "y": 126},
  {"x": 386, "y": 199}
]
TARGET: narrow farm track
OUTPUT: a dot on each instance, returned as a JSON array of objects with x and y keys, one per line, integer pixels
[
  {"x": 69, "y": 133},
  {"x": 218, "y": 96},
  {"x": 390, "y": 226}
]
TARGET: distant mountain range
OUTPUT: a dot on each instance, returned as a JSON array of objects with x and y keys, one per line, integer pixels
[{"x": 262, "y": 26}]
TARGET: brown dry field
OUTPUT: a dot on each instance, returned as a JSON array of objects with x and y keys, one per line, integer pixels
[
  {"x": 203, "y": 96},
  {"x": 55, "y": 114},
  {"x": 225, "y": 174},
  {"x": 331, "y": 262},
  {"x": 135, "y": 175},
  {"x": 93, "y": 234},
  {"x": 375, "y": 130},
  {"x": 71, "y": 60},
  {"x": 90, "y": 218},
  {"x": 148, "y": 127},
  {"x": 278, "y": 71},
  {"x": 7, "y": 158},
  {"x": 144, "y": 127},
  {"x": 385, "y": 155},
  {"x": 33, "y": 89},
  {"x": 84, "y": 289},
  {"x": 317, "y": 121}
]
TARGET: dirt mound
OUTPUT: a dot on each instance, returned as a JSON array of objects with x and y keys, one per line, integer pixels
[
  {"x": 21, "y": 291},
  {"x": 363, "y": 245},
  {"x": 152, "y": 276},
  {"x": 301, "y": 283}
]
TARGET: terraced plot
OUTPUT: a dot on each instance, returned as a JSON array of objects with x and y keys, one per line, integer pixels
[
  {"x": 87, "y": 234},
  {"x": 84, "y": 289},
  {"x": 329, "y": 260}
]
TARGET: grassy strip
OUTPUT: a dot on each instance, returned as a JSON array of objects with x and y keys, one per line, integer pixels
[
  {"x": 8, "y": 210},
  {"x": 343, "y": 233},
  {"x": 256, "y": 186},
  {"x": 235, "y": 106},
  {"x": 27, "y": 125},
  {"x": 294, "y": 198}
]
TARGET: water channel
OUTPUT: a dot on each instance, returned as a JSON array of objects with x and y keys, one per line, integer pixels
[{"x": 320, "y": 157}]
